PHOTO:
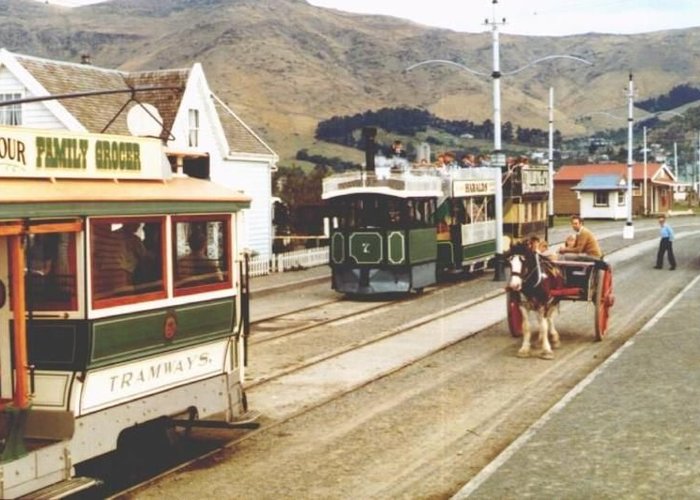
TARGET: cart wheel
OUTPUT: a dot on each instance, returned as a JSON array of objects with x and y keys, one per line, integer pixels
[
  {"x": 515, "y": 315},
  {"x": 604, "y": 300}
]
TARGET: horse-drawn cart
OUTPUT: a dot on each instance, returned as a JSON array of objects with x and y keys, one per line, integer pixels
[{"x": 582, "y": 280}]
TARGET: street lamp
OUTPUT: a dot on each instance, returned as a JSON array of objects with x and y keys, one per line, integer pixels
[{"x": 498, "y": 158}]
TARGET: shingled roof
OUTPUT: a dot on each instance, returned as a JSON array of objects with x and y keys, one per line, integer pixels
[
  {"x": 106, "y": 113},
  {"x": 578, "y": 172}
]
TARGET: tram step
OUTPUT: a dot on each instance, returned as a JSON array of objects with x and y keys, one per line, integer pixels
[{"x": 64, "y": 488}]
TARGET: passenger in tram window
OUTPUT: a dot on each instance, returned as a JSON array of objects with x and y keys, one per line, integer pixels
[
  {"x": 149, "y": 270},
  {"x": 43, "y": 254},
  {"x": 132, "y": 248},
  {"x": 117, "y": 256},
  {"x": 196, "y": 267}
]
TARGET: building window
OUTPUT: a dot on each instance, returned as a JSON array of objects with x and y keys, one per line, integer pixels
[
  {"x": 127, "y": 260},
  {"x": 201, "y": 253},
  {"x": 636, "y": 188},
  {"x": 600, "y": 199},
  {"x": 193, "y": 135},
  {"x": 11, "y": 115},
  {"x": 621, "y": 199}
]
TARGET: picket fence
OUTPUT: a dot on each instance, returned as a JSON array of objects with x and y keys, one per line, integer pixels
[{"x": 288, "y": 261}]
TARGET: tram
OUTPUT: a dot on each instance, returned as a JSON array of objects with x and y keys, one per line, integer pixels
[
  {"x": 525, "y": 199},
  {"x": 123, "y": 301},
  {"x": 400, "y": 229}
]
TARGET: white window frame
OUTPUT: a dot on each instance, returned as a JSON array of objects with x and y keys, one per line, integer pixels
[
  {"x": 11, "y": 115},
  {"x": 193, "y": 130},
  {"x": 596, "y": 203}
]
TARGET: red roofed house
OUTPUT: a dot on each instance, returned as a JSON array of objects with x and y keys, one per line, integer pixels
[{"x": 599, "y": 190}]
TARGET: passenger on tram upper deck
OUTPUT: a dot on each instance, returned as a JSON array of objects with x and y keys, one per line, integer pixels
[
  {"x": 397, "y": 150},
  {"x": 468, "y": 161}
]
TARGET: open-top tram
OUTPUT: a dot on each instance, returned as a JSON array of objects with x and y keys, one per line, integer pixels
[
  {"x": 121, "y": 301},
  {"x": 398, "y": 229},
  {"x": 525, "y": 198}
]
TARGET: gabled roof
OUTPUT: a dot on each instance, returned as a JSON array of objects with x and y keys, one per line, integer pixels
[
  {"x": 575, "y": 173},
  {"x": 107, "y": 113},
  {"x": 601, "y": 183},
  {"x": 240, "y": 137}
]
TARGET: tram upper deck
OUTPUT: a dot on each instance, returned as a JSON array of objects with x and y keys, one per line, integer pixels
[{"x": 409, "y": 182}]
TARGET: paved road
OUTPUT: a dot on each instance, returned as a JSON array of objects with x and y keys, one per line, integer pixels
[{"x": 629, "y": 430}]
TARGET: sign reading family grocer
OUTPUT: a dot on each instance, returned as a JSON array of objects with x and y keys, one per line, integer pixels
[{"x": 48, "y": 153}]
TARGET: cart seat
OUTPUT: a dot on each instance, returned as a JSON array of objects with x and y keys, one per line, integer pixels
[{"x": 566, "y": 291}]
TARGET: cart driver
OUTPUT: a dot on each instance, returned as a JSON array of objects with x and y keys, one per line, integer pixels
[{"x": 585, "y": 244}]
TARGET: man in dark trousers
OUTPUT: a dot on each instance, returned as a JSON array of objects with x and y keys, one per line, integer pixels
[{"x": 665, "y": 245}]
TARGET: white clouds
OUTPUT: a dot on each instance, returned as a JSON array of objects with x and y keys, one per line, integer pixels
[{"x": 536, "y": 17}]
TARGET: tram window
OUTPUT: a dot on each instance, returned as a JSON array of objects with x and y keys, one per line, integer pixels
[
  {"x": 201, "y": 251},
  {"x": 127, "y": 260},
  {"x": 51, "y": 272}
]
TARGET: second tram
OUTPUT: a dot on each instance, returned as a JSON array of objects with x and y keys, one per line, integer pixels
[{"x": 398, "y": 229}]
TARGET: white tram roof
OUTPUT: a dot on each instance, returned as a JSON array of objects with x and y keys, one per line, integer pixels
[{"x": 414, "y": 183}]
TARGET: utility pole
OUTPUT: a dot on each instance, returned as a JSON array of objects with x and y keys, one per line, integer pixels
[
  {"x": 550, "y": 163},
  {"x": 628, "y": 231},
  {"x": 645, "y": 172},
  {"x": 498, "y": 158}
]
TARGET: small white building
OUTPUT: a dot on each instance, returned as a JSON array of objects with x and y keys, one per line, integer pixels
[
  {"x": 602, "y": 196},
  {"x": 202, "y": 135}
]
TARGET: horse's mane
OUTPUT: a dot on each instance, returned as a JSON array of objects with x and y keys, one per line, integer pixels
[{"x": 543, "y": 263}]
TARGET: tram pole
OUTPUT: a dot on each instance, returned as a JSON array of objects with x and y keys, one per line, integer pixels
[
  {"x": 628, "y": 231},
  {"x": 498, "y": 158},
  {"x": 550, "y": 161}
]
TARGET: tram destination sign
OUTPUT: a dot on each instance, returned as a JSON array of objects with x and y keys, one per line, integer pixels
[
  {"x": 26, "y": 152},
  {"x": 480, "y": 187}
]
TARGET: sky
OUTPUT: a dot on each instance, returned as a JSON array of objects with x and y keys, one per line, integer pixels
[
  {"x": 525, "y": 17},
  {"x": 535, "y": 17}
]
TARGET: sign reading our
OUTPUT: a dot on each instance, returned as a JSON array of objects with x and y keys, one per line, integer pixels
[{"x": 46, "y": 153}]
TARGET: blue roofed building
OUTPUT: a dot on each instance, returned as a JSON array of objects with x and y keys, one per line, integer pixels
[{"x": 602, "y": 196}]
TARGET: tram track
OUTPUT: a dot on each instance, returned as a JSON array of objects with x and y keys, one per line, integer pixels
[{"x": 268, "y": 425}]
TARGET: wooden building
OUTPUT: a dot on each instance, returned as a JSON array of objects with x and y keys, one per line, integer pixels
[
  {"x": 202, "y": 135},
  {"x": 658, "y": 188}
]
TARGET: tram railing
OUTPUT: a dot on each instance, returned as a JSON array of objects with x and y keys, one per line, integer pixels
[{"x": 288, "y": 261}]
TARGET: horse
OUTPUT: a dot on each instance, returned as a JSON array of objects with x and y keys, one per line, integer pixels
[{"x": 533, "y": 277}]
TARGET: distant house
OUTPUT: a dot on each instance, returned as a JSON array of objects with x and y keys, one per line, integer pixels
[
  {"x": 602, "y": 196},
  {"x": 572, "y": 192},
  {"x": 203, "y": 137}
]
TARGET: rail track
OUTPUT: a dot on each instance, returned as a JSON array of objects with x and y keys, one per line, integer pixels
[{"x": 276, "y": 337}]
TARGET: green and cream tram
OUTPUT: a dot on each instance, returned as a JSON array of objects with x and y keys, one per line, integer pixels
[
  {"x": 400, "y": 229},
  {"x": 120, "y": 300}
]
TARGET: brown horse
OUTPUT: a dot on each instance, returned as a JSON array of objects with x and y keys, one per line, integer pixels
[{"x": 532, "y": 279}]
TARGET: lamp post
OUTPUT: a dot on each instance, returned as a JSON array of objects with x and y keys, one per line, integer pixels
[{"x": 498, "y": 158}]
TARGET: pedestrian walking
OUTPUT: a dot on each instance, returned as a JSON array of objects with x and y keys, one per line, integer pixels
[{"x": 665, "y": 245}]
